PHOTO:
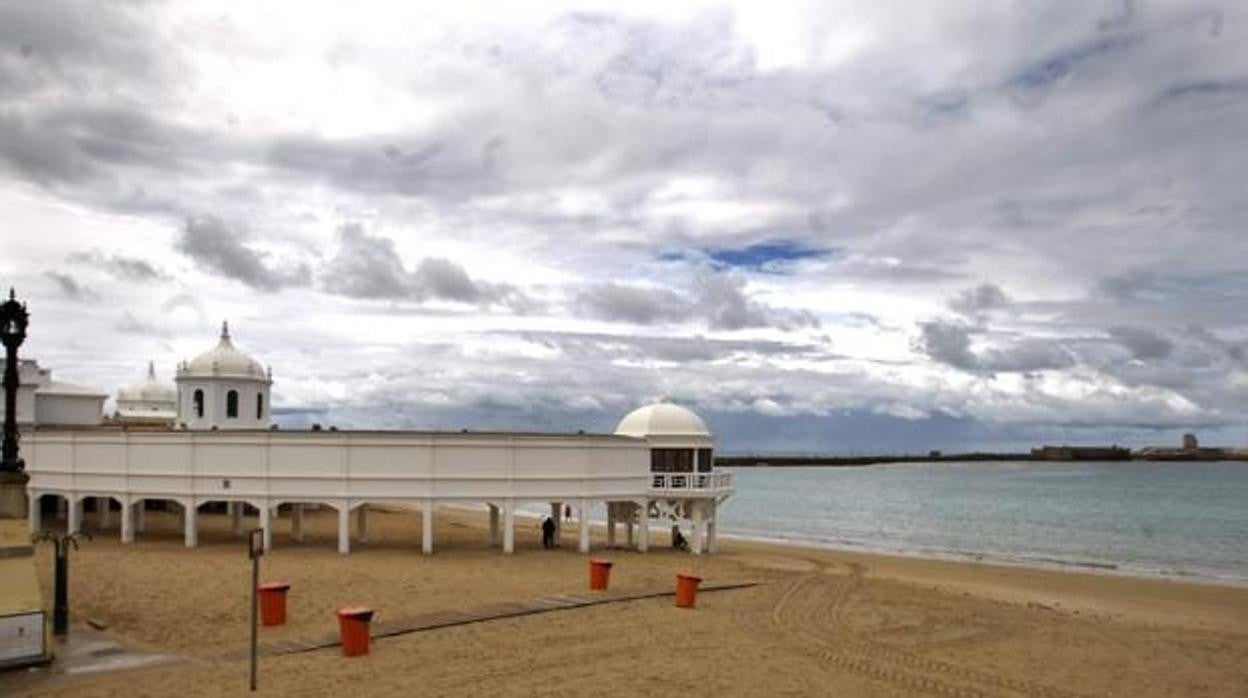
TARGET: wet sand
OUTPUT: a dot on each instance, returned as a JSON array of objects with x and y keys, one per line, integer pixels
[{"x": 819, "y": 623}]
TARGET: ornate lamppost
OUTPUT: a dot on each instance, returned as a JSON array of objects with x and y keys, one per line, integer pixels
[{"x": 13, "y": 321}]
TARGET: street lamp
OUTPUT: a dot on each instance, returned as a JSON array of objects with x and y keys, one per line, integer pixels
[{"x": 13, "y": 321}]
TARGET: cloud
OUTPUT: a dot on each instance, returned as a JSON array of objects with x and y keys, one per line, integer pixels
[
  {"x": 69, "y": 287},
  {"x": 214, "y": 245},
  {"x": 1142, "y": 342},
  {"x": 717, "y": 299},
  {"x": 950, "y": 343},
  {"x": 639, "y": 305},
  {"x": 984, "y": 297},
  {"x": 120, "y": 266},
  {"x": 369, "y": 266}
]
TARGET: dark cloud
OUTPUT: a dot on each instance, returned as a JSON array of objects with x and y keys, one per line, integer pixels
[
  {"x": 718, "y": 299},
  {"x": 69, "y": 287},
  {"x": 976, "y": 300},
  {"x": 368, "y": 266},
  {"x": 365, "y": 267},
  {"x": 220, "y": 249},
  {"x": 950, "y": 343},
  {"x": 120, "y": 266},
  {"x": 1142, "y": 342},
  {"x": 639, "y": 305}
]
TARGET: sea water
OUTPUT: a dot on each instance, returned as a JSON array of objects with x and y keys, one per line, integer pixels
[{"x": 1135, "y": 517}]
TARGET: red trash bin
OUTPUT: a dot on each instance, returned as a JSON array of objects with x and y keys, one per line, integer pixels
[
  {"x": 273, "y": 603},
  {"x": 599, "y": 574},
  {"x": 353, "y": 629},
  {"x": 686, "y": 590}
]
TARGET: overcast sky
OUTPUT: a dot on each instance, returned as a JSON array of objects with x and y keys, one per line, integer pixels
[{"x": 827, "y": 226}]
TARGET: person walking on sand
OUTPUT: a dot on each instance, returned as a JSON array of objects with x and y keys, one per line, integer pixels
[{"x": 548, "y": 533}]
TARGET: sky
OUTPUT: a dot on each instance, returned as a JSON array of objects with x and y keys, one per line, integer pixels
[{"x": 833, "y": 226}]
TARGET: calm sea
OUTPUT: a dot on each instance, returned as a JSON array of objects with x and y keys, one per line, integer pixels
[{"x": 1173, "y": 519}]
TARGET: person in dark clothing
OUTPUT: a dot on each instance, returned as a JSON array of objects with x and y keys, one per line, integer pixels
[
  {"x": 678, "y": 539},
  {"x": 548, "y": 533}
]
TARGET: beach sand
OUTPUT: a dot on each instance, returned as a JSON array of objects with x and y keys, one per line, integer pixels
[{"x": 819, "y": 623}]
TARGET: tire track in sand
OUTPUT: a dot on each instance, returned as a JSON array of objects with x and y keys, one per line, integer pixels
[{"x": 809, "y": 614}]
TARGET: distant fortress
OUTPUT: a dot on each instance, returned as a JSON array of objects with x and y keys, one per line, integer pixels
[{"x": 1189, "y": 451}]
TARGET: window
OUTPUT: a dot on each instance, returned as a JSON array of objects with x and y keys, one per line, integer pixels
[
  {"x": 199, "y": 404},
  {"x": 705, "y": 460},
  {"x": 259, "y": 405},
  {"x": 231, "y": 405},
  {"x": 671, "y": 460}
]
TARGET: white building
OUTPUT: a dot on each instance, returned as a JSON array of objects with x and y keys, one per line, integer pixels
[
  {"x": 148, "y": 401},
  {"x": 41, "y": 400},
  {"x": 223, "y": 388},
  {"x": 658, "y": 464}
]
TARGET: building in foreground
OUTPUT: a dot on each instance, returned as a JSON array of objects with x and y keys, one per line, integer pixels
[{"x": 658, "y": 464}]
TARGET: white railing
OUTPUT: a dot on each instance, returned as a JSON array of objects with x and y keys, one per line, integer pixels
[{"x": 690, "y": 481}]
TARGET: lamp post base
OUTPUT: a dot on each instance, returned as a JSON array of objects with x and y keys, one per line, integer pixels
[{"x": 13, "y": 501}]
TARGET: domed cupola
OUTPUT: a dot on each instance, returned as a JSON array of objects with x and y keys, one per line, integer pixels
[
  {"x": 223, "y": 388},
  {"x": 148, "y": 401},
  {"x": 664, "y": 421}
]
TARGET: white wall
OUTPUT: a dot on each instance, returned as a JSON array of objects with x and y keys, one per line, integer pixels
[
  {"x": 216, "y": 393},
  {"x": 73, "y": 410},
  {"x": 276, "y": 467}
]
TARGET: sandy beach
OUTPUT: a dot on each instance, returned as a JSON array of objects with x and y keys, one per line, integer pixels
[{"x": 818, "y": 622}]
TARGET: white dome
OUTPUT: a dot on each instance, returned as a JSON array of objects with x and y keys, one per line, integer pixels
[
  {"x": 223, "y": 360},
  {"x": 662, "y": 419},
  {"x": 148, "y": 390}
]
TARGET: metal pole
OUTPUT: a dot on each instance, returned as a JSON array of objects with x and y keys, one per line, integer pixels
[
  {"x": 256, "y": 549},
  {"x": 60, "y": 611}
]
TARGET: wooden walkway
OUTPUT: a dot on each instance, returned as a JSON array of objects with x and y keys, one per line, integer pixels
[{"x": 386, "y": 627}]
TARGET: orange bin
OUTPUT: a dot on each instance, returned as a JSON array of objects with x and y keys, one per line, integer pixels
[
  {"x": 353, "y": 629},
  {"x": 273, "y": 603},
  {"x": 686, "y": 590},
  {"x": 599, "y": 574}
]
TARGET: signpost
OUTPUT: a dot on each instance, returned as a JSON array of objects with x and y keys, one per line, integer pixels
[{"x": 255, "y": 549}]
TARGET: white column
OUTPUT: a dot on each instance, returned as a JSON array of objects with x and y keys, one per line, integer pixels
[
  {"x": 628, "y": 527},
  {"x": 35, "y": 513},
  {"x": 712, "y": 528},
  {"x": 509, "y": 526},
  {"x": 190, "y": 524},
  {"x": 296, "y": 522},
  {"x": 361, "y": 523},
  {"x": 127, "y": 521},
  {"x": 643, "y": 521},
  {"x": 556, "y": 513},
  {"x": 426, "y": 526},
  {"x": 582, "y": 522},
  {"x": 493, "y": 525},
  {"x": 697, "y": 527},
  {"x": 140, "y": 516},
  {"x": 611, "y": 506},
  {"x": 236, "y": 517},
  {"x": 73, "y": 519},
  {"x": 102, "y": 511},
  {"x": 344, "y": 527},
  {"x": 266, "y": 525}
]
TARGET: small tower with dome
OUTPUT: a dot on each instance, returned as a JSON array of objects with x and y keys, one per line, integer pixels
[
  {"x": 685, "y": 486},
  {"x": 148, "y": 401},
  {"x": 223, "y": 388}
]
